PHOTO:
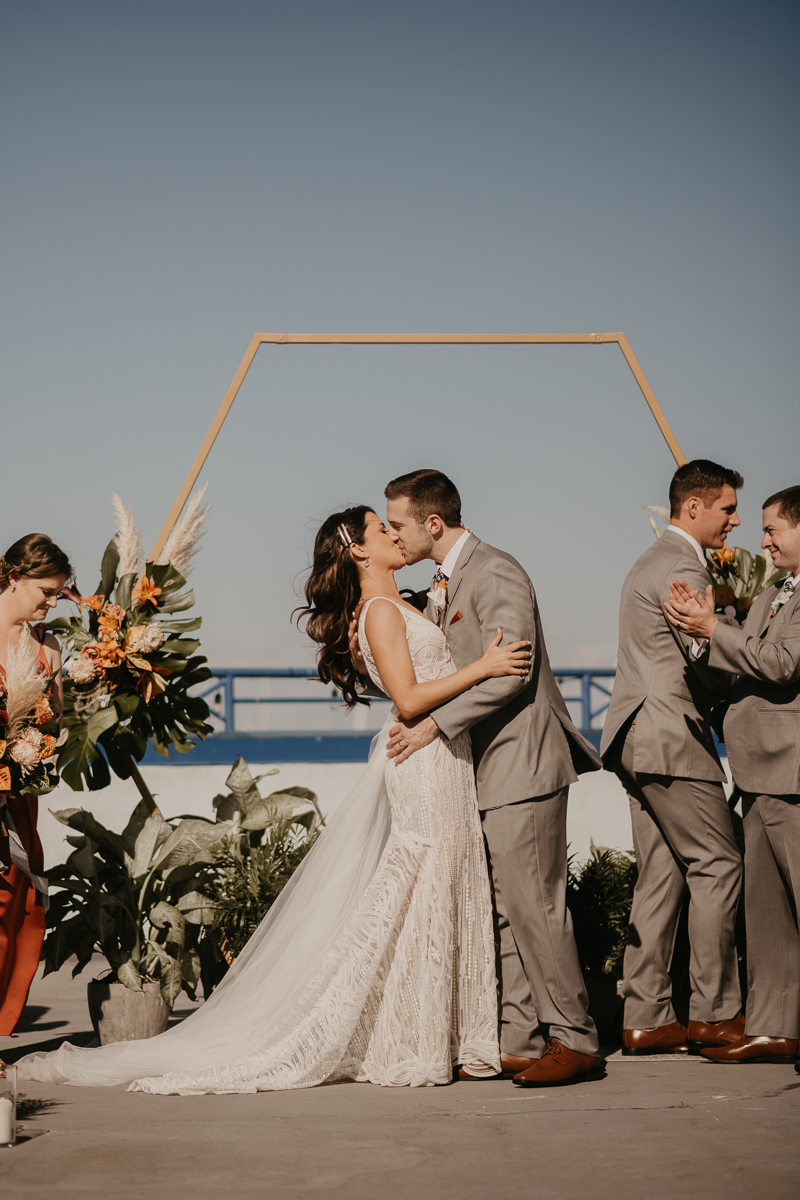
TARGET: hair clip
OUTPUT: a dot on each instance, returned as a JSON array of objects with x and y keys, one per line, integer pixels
[{"x": 344, "y": 535}]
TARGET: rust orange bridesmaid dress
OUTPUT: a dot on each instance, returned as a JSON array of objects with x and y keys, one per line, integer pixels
[{"x": 22, "y": 920}]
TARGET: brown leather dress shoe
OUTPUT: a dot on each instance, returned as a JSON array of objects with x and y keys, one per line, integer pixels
[
  {"x": 558, "y": 1066},
  {"x": 510, "y": 1065},
  {"x": 701, "y": 1034},
  {"x": 755, "y": 1049},
  {"x": 664, "y": 1039}
]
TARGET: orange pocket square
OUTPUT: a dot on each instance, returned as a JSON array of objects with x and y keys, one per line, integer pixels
[{"x": 457, "y": 617}]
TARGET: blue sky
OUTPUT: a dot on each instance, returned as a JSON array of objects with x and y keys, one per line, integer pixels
[{"x": 177, "y": 176}]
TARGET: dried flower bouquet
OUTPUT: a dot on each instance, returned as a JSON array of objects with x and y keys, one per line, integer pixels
[{"x": 129, "y": 665}]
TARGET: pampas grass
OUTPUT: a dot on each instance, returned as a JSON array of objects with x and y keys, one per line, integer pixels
[
  {"x": 183, "y": 543},
  {"x": 128, "y": 539},
  {"x": 25, "y": 683}
]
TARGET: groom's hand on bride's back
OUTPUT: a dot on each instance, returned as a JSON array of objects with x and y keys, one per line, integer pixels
[
  {"x": 356, "y": 657},
  {"x": 407, "y": 736}
]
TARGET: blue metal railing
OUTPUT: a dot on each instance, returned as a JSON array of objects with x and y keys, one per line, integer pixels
[{"x": 223, "y": 699}]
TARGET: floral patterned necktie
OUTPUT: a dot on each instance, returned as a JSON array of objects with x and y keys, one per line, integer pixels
[
  {"x": 786, "y": 593},
  {"x": 438, "y": 594}
]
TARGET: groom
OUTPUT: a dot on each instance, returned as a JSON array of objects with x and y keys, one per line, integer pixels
[{"x": 526, "y": 753}]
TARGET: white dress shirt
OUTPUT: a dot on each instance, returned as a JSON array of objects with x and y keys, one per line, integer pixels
[
  {"x": 451, "y": 558},
  {"x": 698, "y": 549},
  {"x": 697, "y": 646}
]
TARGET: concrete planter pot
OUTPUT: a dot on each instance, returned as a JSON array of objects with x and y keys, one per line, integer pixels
[{"x": 121, "y": 1015}]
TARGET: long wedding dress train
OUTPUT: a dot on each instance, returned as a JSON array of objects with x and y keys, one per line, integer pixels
[{"x": 377, "y": 961}]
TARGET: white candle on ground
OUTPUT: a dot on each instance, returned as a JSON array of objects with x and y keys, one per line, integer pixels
[{"x": 6, "y": 1131}]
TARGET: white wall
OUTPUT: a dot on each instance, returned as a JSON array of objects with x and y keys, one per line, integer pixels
[{"x": 598, "y": 807}]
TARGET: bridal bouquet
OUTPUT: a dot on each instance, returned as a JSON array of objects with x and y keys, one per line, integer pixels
[
  {"x": 28, "y": 726},
  {"x": 129, "y": 664}
]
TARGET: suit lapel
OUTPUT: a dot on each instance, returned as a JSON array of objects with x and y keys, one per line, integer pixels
[
  {"x": 784, "y": 609},
  {"x": 765, "y": 599},
  {"x": 454, "y": 582}
]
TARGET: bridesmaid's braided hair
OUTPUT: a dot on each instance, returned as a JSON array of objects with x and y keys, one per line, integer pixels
[
  {"x": 35, "y": 555},
  {"x": 333, "y": 593}
]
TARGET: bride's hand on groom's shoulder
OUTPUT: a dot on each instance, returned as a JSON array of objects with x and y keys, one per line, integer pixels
[{"x": 407, "y": 736}]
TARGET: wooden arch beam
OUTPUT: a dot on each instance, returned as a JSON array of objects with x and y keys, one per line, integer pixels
[{"x": 408, "y": 339}]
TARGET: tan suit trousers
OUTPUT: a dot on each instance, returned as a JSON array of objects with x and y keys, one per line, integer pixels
[
  {"x": 771, "y": 906},
  {"x": 683, "y": 838},
  {"x": 542, "y": 986}
]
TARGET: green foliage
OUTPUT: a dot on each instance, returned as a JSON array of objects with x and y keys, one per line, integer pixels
[
  {"x": 142, "y": 696},
  {"x": 158, "y": 899},
  {"x": 252, "y": 871},
  {"x": 139, "y": 898},
  {"x": 599, "y": 897},
  {"x": 246, "y": 888}
]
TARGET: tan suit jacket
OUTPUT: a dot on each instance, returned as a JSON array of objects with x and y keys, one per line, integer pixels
[
  {"x": 657, "y": 678},
  {"x": 762, "y": 725},
  {"x": 524, "y": 743}
]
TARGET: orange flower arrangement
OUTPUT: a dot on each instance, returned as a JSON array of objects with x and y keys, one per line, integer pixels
[
  {"x": 146, "y": 592},
  {"x": 94, "y": 602},
  {"x": 738, "y": 577}
]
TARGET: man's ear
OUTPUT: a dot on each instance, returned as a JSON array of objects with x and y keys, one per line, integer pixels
[{"x": 434, "y": 524}]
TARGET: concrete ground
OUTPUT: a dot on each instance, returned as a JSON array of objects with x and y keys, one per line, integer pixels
[{"x": 653, "y": 1129}]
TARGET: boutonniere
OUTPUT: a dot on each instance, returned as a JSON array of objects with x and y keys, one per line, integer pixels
[{"x": 438, "y": 595}]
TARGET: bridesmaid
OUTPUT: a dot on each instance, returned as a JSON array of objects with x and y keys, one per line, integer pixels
[{"x": 32, "y": 573}]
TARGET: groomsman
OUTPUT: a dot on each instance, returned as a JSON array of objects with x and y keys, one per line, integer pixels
[
  {"x": 657, "y": 738},
  {"x": 762, "y": 736}
]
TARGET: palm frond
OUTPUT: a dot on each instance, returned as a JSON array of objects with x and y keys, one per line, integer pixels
[{"x": 183, "y": 543}]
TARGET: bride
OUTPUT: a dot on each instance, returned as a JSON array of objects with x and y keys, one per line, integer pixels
[{"x": 376, "y": 963}]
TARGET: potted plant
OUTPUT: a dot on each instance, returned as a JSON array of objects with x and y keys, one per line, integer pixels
[
  {"x": 599, "y": 897},
  {"x": 277, "y": 832},
  {"x": 146, "y": 899},
  {"x": 137, "y": 898}
]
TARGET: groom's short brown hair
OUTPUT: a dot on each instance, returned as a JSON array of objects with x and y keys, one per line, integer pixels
[
  {"x": 430, "y": 493},
  {"x": 702, "y": 478}
]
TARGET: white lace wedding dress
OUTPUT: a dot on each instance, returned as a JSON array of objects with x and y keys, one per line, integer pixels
[{"x": 377, "y": 962}]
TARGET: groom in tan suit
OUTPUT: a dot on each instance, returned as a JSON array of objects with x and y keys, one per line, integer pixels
[
  {"x": 526, "y": 753},
  {"x": 657, "y": 738},
  {"x": 762, "y": 736}
]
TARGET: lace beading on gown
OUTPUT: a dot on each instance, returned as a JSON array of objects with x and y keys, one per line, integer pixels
[{"x": 407, "y": 989}]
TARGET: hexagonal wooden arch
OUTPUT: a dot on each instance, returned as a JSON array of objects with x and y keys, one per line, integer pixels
[{"x": 408, "y": 339}]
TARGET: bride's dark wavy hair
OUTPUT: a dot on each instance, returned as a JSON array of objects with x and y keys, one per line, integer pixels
[{"x": 333, "y": 593}]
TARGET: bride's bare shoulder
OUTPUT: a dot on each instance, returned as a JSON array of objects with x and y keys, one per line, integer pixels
[{"x": 382, "y": 616}]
